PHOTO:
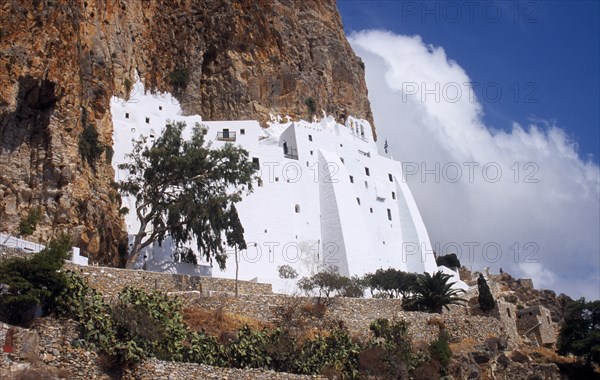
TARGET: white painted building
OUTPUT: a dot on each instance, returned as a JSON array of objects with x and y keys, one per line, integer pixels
[{"x": 324, "y": 196}]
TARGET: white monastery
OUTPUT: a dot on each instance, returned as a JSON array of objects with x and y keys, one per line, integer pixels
[{"x": 324, "y": 197}]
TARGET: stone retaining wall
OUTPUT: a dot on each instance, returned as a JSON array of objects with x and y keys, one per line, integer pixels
[{"x": 358, "y": 313}]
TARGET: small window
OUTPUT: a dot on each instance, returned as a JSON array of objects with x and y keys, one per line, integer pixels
[
  {"x": 393, "y": 195},
  {"x": 389, "y": 214},
  {"x": 341, "y": 145},
  {"x": 371, "y": 209},
  {"x": 297, "y": 209},
  {"x": 366, "y": 185},
  {"x": 508, "y": 312},
  {"x": 160, "y": 108},
  {"x": 260, "y": 182},
  {"x": 342, "y": 159},
  {"x": 367, "y": 171},
  {"x": 391, "y": 177},
  {"x": 147, "y": 120},
  {"x": 256, "y": 163},
  {"x": 548, "y": 318},
  {"x": 311, "y": 152},
  {"x": 242, "y": 131},
  {"x": 126, "y": 115},
  {"x": 132, "y": 129},
  {"x": 276, "y": 179},
  {"x": 358, "y": 201},
  {"x": 351, "y": 179},
  {"x": 309, "y": 137}
]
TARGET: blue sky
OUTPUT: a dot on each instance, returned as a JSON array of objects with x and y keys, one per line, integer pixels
[{"x": 543, "y": 55}]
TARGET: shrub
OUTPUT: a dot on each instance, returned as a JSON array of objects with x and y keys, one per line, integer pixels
[
  {"x": 311, "y": 106},
  {"x": 440, "y": 351},
  {"x": 34, "y": 284},
  {"x": 450, "y": 261},
  {"x": 90, "y": 147},
  {"x": 179, "y": 78},
  {"x": 28, "y": 224},
  {"x": 393, "y": 338},
  {"x": 287, "y": 272},
  {"x": 485, "y": 298}
]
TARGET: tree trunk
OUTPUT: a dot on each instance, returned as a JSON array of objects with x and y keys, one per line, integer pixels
[{"x": 236, "y": 271}]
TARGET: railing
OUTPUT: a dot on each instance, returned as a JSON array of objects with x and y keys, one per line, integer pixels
[
  {"x": 226, "y": 136},
  {"x": 291, "y": 153}
]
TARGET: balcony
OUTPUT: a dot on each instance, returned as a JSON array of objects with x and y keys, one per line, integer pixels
[{"x": 226, "y": 136}]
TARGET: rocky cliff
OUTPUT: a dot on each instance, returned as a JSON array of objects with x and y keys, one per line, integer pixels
[{"x": 62, "y": 61}]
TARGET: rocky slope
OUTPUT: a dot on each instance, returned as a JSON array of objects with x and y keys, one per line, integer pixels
[{"x": 62, "y": 61}]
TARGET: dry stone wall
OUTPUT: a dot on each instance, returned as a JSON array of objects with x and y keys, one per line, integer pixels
[{"x": 110, "y": 281}]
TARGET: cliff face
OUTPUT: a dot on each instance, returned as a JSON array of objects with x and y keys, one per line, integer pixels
[{"x": 62, "y": 61}]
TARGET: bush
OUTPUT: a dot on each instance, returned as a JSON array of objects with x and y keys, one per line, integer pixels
[
  {"x": 485, "y": 298},
  {"x": 179, "y": 78},
  {"x": 90, "y": 147},
  {"x": 311, "y": 106},
  {"x": 440, "y": 350},
  {"x": 34, "y": 284},
  {"x": 28, "y": 224},
  {"x": 287, "y": 272},
  {"x": 396, "y": 345},
  {"x": 449, "y": 261}
]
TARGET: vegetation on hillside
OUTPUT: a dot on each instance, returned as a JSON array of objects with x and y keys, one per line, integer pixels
[
  {"x": 29, "y": 287},
  {"x": 580, "y": 332}
]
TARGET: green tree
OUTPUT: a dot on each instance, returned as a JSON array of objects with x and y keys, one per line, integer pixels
[
  {"x": 432, "y": 293},
  {"x": 185, "y": 189},
  {"x": 33, "y": 282},
  {"x": 235, "y": 239},
  {"x": 580, "y": 332},
  {"x": 485, "y": 298},
  {"x": 392, "y": 282}
]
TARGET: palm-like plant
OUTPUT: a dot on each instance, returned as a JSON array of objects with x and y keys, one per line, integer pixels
[{"x": 431, "y": 293}]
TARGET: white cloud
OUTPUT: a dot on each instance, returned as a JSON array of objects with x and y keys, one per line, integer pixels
[{"x": 540, "y": 218}]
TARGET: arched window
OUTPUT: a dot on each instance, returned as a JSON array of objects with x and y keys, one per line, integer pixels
[{"x": 297, "y": 209}]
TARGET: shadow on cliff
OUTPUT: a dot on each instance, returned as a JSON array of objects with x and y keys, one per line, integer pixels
[{"x": 29, "y": 122}]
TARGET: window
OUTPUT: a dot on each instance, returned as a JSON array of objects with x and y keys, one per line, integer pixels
[
  {"x": 242, "y": 131},
  {"x": 371, "y": 209},
  {"x": 126, "y": 115},
  {"x": 393, "y": 195},
  {"x": 341, "y": 146},
  {"x": 132, "y": 129},
  {"x": 508, "y": 312},
  {"x": 358, "y": 201},
  {"x": 366, "y": 185},
  {"x": 309, "y": 137},
  {"x": 391, "y": 177},
  {"x": 389, "y": 214},
  {"x": 276, "y": 179},
  {"x": 342, "y": 159},
  {"x": 351, "y": 179},
  {"x": 256, "y": 163},
  {"x": 367, "y": 171},
  {"x": 160, "y": 108},
  {"x": 147, "y": 120},
  {"x": 260, "y": 182},
  {"x": 311, "y": 152},
  {"x": 297, "y": 209}
]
